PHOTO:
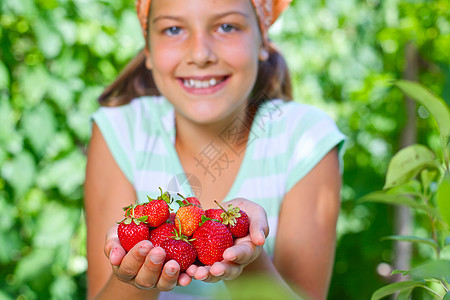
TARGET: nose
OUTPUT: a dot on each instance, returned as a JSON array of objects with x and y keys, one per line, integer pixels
[{"x": 201, "y": 52}]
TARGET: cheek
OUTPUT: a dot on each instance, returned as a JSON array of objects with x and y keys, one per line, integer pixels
[{"x": 244, "y": 57}]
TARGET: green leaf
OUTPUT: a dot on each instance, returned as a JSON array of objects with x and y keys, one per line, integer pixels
[
  {"x": 48, "y": 39},
  {"x": 66, "y": 174},
  {"x": 398, "y": 199},
  {"x": 447, "y": 241},
  {"x": 404, "y": 294},
  {"x": 4, "y": 76},
  {"x": 437, "y": 269},
  {"x": 435, "y": 105},
  {"x": 407, "y": 164},
  {"x": 39, "y": 125},
  {"x": 20, "y": 172},
  {"x": 446, "y": 296},
  {"x": 31, "y": 266},
  {"x": 395, "y": 287},
  {"x": 56, "y": 225},
  {"x": 428, "y": 177},
  {"x": 443, "y": 198},
  {"x": 412, "y": 239}
]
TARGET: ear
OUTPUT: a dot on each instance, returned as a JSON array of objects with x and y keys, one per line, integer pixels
[
  {"x": 263, "y": 54},
  {"x": 148, "y": 59}
]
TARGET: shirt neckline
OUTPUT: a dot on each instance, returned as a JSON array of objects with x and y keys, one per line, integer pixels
[{"x": 169, "y": 139}]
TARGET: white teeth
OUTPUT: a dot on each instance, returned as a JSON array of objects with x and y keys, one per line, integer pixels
[{"x": 200, "y": 83}]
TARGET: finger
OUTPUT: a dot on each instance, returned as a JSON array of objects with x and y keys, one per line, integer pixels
[
  {"x": 184, "y": 279},
  {"x": 149, "y": 273},
  {"x": 113, "y": 250},
  {"x": 203, "y": 274},
  {"x": 259, "y": 227},
  {"x": 133, "y": 261},
  {"x": 116, "y": 255},
  {"x": 169, "y": 276},
  {"x": 191, "y": 270},
  {"x": 225, "y": 270},
  {"x": 242, "y": 253}
]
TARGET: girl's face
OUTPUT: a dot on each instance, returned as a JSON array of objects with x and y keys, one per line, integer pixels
[{"x": 204, "y": 56}]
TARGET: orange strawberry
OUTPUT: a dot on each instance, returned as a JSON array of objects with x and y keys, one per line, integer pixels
[
  {"x": 210, "y": 240},
  {"x": 189, "y": 216}
]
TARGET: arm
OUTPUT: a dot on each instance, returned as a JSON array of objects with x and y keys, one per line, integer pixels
[
  {"x": 305, "y": 245},
  {"x": 106, "y": 191}
]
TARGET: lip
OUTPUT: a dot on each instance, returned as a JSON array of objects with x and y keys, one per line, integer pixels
[{"x": 204, "y": 91}]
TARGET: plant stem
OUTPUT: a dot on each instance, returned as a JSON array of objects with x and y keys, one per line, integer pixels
[
  {"x": 445, "y": 152},
  {"x": 434, "y": 234}
]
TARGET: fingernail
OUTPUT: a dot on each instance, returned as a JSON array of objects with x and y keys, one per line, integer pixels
[
  {"x": 202, "y": 278},
  {"x": 156, "y": 259},
  {"x": 263, "y": 234},
  {"x": 110, "y": 253},
  {"x": 171, "y": 271},
  {"x": 144, "y": 250},
  {"x": 221, "y": 273}
]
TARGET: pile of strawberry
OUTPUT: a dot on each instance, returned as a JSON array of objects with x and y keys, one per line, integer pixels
[{"x": 190, "y": 235}]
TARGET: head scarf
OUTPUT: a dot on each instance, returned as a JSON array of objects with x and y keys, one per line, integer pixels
[{"x": 266, "y": 10}]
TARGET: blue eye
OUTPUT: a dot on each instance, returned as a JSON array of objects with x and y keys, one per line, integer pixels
[
  {"x": 174, "y": 30},
  {"x": 227, "y": 28}
]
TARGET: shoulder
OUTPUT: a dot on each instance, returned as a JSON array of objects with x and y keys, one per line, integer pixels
[
  {"x": 291, "y": 117},
  {"x": 134, "y": 107}
]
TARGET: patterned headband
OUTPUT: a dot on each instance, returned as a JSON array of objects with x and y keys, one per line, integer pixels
[{"x": 266, "y": 10}]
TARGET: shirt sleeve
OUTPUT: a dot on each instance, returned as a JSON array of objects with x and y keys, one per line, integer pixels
[
  {"x": 313, "y": 136},
  {"x": 117, "y": 126}
]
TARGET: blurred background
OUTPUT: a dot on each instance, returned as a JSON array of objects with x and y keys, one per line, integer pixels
[{"x": 56, "y": 56}]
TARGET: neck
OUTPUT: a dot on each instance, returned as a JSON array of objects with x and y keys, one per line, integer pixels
[{"x": 228, "y": 135}]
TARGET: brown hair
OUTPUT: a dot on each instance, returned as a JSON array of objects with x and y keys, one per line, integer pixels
[{"x": 273, "y": 81}]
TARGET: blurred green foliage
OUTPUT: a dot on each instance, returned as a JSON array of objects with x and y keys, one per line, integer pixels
[{"x": 56, "y": 56}]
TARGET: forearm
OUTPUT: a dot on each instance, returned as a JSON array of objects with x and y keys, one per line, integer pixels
[
  {"x": 116, "y": 289},
  {"x": 261, "y": 276}
]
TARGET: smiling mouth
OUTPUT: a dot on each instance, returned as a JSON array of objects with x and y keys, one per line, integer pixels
[{"x": 202, "y": 84}]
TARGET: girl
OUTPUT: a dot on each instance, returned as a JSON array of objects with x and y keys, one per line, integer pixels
[{"x": 204, "y": 111}]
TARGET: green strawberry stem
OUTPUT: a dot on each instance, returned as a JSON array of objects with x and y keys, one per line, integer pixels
[
  {"x": 229, "y": 216},
  {"x": 177, "y": 235}
]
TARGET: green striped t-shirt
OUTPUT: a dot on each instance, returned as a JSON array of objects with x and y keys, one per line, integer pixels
[{"x": 287, "y": 139}]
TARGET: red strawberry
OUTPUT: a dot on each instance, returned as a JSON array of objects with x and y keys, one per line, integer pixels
[
  {"x": 210, "y": 240},
  {"x": 171, "y": 218},
  {"x": 214, "y": 214},
  {"x": 236, "y": 220},
  {"x": 161, "y": 233},
  {"x": 191, "y": 200},
  {"x": 131, "y": 231},
  {"x": 190, "y": 217},
  {"x": 241, "y": 225},
  {"x": 158, "y": 210},
  {"x": 179, "y": 248},
  {"x": 135, "y": 210},
  {"x": 180, "y": 251}
]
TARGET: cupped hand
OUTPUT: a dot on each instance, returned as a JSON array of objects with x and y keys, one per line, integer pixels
[
  {"x": 143, "y": 266},
  {"x": 244, "y": 251}
]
